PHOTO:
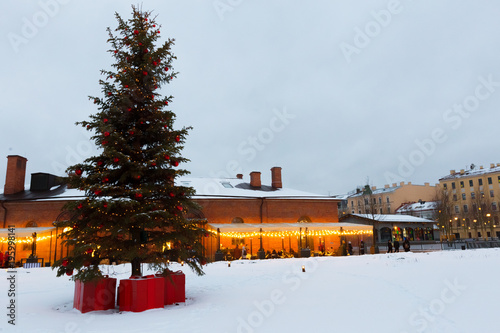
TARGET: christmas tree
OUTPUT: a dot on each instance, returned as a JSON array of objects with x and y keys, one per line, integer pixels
[{"x": 132, "y": 210}]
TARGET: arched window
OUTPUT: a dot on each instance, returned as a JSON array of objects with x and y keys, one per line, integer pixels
[
  {"x": 237, "y": 220},
  {"x": 385, "y": 234},
  {"x": 304, "y": 219}
]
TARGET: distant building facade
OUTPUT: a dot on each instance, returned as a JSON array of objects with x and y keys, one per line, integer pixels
[
  {"x": 472, "y": 202},
  {"x": 373, "y": 200}
]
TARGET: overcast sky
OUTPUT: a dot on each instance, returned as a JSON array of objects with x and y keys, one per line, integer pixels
[{"x": 337, "y": 93}]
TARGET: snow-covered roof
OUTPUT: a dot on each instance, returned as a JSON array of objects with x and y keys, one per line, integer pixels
[
  {"x": 377, "y": 191},
  {"x": 25, "y": 232},
  {"x": 418, "y": 207},
  {"x": 472, "y": 173},
  {"x": 206, "y": 188},
  {"x": 342, "y": 196},
  {"x": 236, "y": 187},
  {"x": 391, "y": 218}
]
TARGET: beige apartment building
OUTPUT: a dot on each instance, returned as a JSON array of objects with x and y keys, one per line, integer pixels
[
  {"x": 373, "y": 200},
  {"x": 469, "y": 202}
]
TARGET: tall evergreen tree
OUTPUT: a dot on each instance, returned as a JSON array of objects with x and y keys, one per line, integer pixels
[{"x": 132, "y": 210}]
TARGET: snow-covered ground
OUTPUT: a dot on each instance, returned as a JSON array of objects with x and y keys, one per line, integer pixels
[{"x": 450, "y": 291}]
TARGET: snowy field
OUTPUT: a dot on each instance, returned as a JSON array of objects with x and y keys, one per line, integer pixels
[{"x": 452, "y": 291}]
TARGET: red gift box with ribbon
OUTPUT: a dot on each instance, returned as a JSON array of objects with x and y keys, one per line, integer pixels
[
  {"x": 139, "y": 294},
  {"x": 95, "y": 295},
  {"x": 175, "y": 287}
]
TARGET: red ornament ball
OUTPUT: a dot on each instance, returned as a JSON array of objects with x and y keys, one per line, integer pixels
[
  {"x": 98, "y": 192},
  {"x": 105, "y": 142},
  {"x": 175, "y": 163},
  {"x": 109, "y": 94},
  {"x": 167, "y": 157},
  {"x": 155, "y": 63},
  {"x": 116, "y": 51},
  {"x": 172, "y": 194},
  {"x": 129, "y": 109},
  {"x": 138, "y": 195},
  {"x": 136, "y": 32},
  {"x": 131, "y": 132},
  {"x": 105, "y": 205},
  {"x": 153, "y": 164},
  {"x": 144, "y": 73},
  {"x": 177, "y": 138},
  {"x": 69, "y": 272},
  {"x": 106, "y": 133},
  {"x": 146, "y": 51},
  {"x": 116, "y": 160},
  {"x": 105, "y": 120},
  {"x": 80, "y": 206},
  {"x": 126, "y": 86},
  {"x": 78, "y": 172},
  {"x": 65, "y": 263},
  {"x": 179, "y": 208},
  {"x": 105, "y": 180},
  {"x": 166, "y": 68},
  {"x": 89, "y": 251},
  {"x": 166, "y": 102},
  {"x": 99, "y": 163}
]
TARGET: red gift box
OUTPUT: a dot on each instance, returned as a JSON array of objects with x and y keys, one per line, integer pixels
[
  {"x": 139, "y": 294},
  {"x": 95, "y": 295},
  {"x": 175, "y": 288}
]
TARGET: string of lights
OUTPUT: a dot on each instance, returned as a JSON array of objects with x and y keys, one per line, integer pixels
[{"x": 279, "y": 234}]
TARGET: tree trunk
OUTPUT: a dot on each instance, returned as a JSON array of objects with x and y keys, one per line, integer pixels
[{"x": 136, "y": 267}]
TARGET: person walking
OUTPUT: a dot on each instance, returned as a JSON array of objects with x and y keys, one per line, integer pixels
[
  {"x": 406, "y": 245},
  {"x": 349, "y": 248},
  {"x": 244, "y": 252},
  {"x": 362, "y": 248},
  {"x": 389, "y": 246},
  {"x": 396, "y": 246}
]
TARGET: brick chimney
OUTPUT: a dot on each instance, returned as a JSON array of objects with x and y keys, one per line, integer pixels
[
  {"x": 276, "y": 177},
  {"x": 16, "y": 173},
  {"x": 255, "y": 179},
  {"x": 239, "y": 176}
]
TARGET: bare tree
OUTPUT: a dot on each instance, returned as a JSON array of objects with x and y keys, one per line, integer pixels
[{"x": 444, "y": 216}]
